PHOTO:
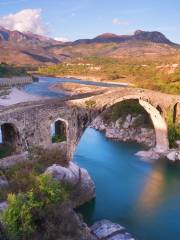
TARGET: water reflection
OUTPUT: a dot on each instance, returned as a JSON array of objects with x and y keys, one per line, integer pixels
[
  {"x": 143, "y": 197},
  {"x": 152, "y": 193},
  {"x": 162, "y": 183}
]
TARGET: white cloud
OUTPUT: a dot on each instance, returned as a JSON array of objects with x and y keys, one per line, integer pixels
[
  {"x": 62, "y": 39},
  {"x": 27, "y": 20},
  {"x": 117, "y": 21}
]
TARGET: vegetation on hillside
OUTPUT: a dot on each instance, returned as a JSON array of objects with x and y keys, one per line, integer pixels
[
  {"x": 11, "y": 70},
  {"x": 161, "y": 75},
  {"x": 38, "y": 206},
  {"x": 173, "y": 130},
  {"x": 126, "y": 107},
  {"x": 26, "y": 212}
]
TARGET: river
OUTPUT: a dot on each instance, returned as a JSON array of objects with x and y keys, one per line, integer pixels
[
  {"x": 144, "y": 197},
  {"x": 41, "y": 88}
]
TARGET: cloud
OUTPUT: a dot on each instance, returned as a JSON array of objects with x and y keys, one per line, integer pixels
[
  {"x": 117, "y": 21},
  {"x": 27, "y": 20},
  {"x": 62, "y": 39}
]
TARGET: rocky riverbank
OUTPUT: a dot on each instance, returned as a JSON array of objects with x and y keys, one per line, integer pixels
[
  {"x": 17, "y": 96},
  {"x": 72, "y": 89},
  {"x": 83, "y": 191},
  {"x": 106, "y": 230},
  {"x": 130, "y": 128}
]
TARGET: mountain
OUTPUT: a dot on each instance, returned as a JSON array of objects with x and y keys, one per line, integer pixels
[
  {"x": 20, "y": 38},
  {"x": 28, "y": 48},
  {"x": 155, "y": 37}
]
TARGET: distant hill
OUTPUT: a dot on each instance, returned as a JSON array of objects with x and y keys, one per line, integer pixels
[
  {"x": 28, "y": 48},
  {"x": 155, "y": 37}
]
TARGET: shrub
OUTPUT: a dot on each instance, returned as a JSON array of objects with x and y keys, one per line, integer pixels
[
  {"x": 58, "y": 138},
  {"x": 27, "y": 211},
  {"x": 173, "y": 130},
  {"x": 125, "y": 107},
  {"x": 5, "y": 150},
  {"x": 90, "y": 104},
  {"x": 22, "y": 176}
]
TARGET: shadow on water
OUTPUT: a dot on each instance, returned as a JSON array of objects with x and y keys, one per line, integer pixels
[{"x": 141, "y": 196}]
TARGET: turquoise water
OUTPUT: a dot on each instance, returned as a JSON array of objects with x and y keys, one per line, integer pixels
[
  {"x": 143, "y": 197},
  {"x": 41, "y": 88}
]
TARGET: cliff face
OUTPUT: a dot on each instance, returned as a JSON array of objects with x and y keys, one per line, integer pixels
[{"x": 129, "y": 128}]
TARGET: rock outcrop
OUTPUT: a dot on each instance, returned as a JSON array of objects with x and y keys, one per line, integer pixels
[
  {"x": 106, "y": 230},
  {"x": 149, "y": 155},
  {"x": 3, "y": 182},
  {"x": 78, "y": 178},
  {"x": 173, "y": 155},
  {"x": 3, "y": 206},
  {"x": 126, "y": 129}
]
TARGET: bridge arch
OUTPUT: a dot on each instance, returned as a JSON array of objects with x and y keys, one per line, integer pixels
[
  {"x": 58, "y": 130},
  {"x": 159, "y": 123},
  {"x": 10, "y": 136}
]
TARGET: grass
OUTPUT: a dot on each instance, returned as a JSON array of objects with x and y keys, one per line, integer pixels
[
  {"x": 21, "y": 176},
  {"x": 5, "y": 150},
  {"x": 122, "y": 109},
  {"x": 39, "y": 207},
  {"x": 58, "y": 138}
]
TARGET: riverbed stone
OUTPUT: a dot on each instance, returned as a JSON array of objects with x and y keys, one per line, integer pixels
[
  {"x": 3, "y": 206},
  {"x": 106, "y": 230},
  {"x": 178, "y": 144},
  {"x": 78, "y": 178},
  {"x": 3, "y": 182},
  {"x": 173, "y": 155},
  {"x": 148, "y": 155}
]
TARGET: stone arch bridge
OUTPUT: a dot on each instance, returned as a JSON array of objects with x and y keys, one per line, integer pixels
[{"x": 31, "y": 121}]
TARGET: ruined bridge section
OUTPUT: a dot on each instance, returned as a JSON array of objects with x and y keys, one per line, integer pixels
[{"x": 32, "y": 121}]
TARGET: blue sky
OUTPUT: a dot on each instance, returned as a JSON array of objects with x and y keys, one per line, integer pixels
[{"x": 74, "y": 19}]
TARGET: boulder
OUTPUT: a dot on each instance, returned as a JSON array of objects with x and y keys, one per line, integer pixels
[
  {"x": 3, "y": 182},
  {"x": 173, "y": 155},
  {"x": 78, "y": 178},
  {"x": 3, "y": 206},
  {"x": 98, "y": 124},
  {"x": 178, "y": 143},
  {"x": 148, "y": 155},
  {"x": 106, "y": 230},
  {"x": 118, "y": 123},
  {"x": 129, "y": 118}
]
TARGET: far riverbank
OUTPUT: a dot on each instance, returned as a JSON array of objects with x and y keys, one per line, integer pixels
[{"x": 84, "y": 78}]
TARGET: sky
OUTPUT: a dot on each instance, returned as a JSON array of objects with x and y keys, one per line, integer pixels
[{"x": 75, "y": 19}]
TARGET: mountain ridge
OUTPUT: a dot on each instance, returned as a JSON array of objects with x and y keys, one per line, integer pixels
[
  {"x": 28, "y": 48},
  {"x": 139, "y": 35}
]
